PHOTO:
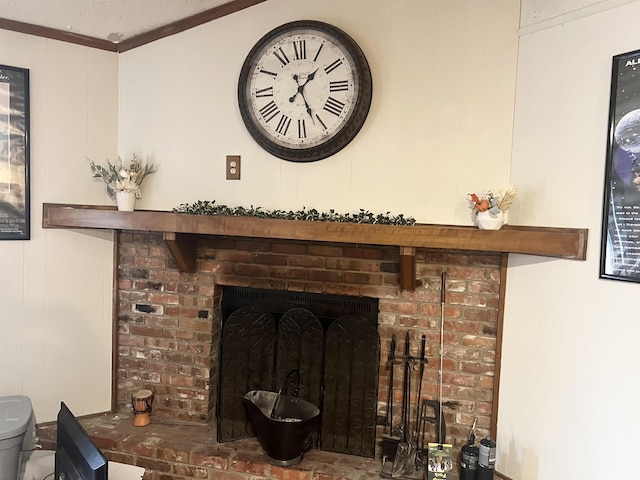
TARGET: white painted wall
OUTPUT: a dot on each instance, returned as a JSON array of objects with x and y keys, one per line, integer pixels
[
  {"x": 55, "y": 289},
  {"x": 569, "y": 395},
  {"x": 439, "y": 126}
]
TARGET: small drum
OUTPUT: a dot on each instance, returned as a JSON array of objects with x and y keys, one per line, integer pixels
[{"x": 141, "y": 402}]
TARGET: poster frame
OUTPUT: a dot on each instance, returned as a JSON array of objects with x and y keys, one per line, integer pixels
[{"x": 15, "y": 205}]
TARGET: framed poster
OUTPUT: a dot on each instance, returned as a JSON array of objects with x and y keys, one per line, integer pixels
[
  {"x": 14, "y": 154},
  {"x": 620, "y": 242}
]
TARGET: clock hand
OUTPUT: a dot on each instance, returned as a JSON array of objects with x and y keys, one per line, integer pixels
[
  {"x": 293, "y": 97},
  {"x": 308, "y": 108},
  {"x": 311, "y": 76},
  {"x": 301, "y": 92}
]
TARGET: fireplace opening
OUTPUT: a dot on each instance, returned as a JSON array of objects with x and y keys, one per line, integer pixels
[{"x": 331, "y": 340}]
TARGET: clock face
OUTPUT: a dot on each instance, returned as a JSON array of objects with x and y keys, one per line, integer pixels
[{"x": 304, "y": 91}]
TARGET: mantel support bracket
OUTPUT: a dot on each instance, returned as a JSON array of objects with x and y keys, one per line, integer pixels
[
  {"x": 408, "y": 268},
  {"x": 182, "y": 247}
]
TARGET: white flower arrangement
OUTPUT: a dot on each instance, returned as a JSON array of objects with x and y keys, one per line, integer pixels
[{"x": 119, "y": 178}]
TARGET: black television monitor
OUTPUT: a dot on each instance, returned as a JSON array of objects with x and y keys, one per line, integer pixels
[{"x": 77, "y": 456}]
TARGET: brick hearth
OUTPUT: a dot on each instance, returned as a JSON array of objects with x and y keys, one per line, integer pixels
[
  {"x": 169, "y": 327},
  {"x": 173, "y": 451}
]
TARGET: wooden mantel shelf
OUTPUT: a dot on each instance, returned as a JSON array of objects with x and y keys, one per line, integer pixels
[{"x": 179, "y": 228}]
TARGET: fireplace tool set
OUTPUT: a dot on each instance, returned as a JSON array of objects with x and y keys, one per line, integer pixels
[{"x": 404, "y": 455}]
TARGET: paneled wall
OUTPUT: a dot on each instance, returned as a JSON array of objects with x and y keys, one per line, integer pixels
[
  {"x": 439, "y": 126},
  {"x": 55, "y": 289},
  {"x": 570, "y": 338}
]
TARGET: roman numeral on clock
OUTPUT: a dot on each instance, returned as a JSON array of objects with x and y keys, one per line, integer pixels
[
  {"x": 283, "y": 125},
  {"x": 302, "y": 129},
  {"x": 315, "y": 59},
  {"x": 333, "y": 66},
  {"x": 300, "y": 49},
  {"x": 334, "y": 106},
  {"x": 324, "y": 126},
  {"x": 280, "y": 55},
  {"x": 339, "y": 86},
  {"x": 267, "y": 72},
  {"x": 264, "y": 92},
  {"x": 269, "y": 111}
]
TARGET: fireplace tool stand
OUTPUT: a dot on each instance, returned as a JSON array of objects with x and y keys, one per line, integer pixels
[
  {"x": 403, "y": 449},
  {"x": 403, "y": 455}
]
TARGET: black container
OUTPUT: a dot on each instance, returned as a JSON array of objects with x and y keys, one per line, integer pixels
[
  {"x": 484, "y": 473},
  {"x": 486, "y": 459},
  {"x": 283, "y": 438},
  {"x": 468, "y": 462}
]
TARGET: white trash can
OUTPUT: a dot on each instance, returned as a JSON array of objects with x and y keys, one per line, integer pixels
[{"x": 15, "y": 417}]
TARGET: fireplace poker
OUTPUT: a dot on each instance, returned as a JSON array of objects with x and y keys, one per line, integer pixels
[
  {"x": 403, "y": 454},
  {"x": 405, "y": 390},
  {"x": 423, "y": 361},
  {"x": 424, "y": 425},
  {"x": 406, "y": 435}
]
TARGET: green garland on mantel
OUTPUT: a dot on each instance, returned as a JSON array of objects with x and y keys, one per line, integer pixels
[{"x": 207, "y": 207}]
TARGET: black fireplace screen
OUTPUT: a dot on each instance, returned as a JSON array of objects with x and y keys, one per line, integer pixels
[{"x": 331, "y": 340}]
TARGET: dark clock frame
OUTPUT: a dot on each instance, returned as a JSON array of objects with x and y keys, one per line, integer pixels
[{"x": 357, "y": 117}]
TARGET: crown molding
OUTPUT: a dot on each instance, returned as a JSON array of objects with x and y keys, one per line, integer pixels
[
  {"x": 53, "y": 34},
  {"x": 133, "y": 42}
]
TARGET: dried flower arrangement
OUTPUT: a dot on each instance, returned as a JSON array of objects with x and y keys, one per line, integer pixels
[
  {"x": 363, "y": 216},
  {"x": 119, "y": 178},
  {"x": 494, "y": 203}
]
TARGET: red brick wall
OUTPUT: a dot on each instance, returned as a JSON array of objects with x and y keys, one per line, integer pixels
[{"x": 169, "y": 322}]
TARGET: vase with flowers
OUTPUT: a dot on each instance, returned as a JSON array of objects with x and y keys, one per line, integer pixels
[
  {"x": 123, "y": 182},
  {"x": 489, "y": 210}
]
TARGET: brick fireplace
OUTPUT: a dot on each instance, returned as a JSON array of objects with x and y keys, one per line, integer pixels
[
  {"x": 169, "y": 322},
  {"x": 168, "y": 330}
]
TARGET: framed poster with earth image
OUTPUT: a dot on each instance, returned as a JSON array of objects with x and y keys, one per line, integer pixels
[
  {"x": 14, "y": 154},
  {"x": 620, "y": 240}
]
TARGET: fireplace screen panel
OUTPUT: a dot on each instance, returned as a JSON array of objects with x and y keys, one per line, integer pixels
[
  {"x": 300, "y": 346},
  {"x": 351, "y": 386},
  {"x": 338, "y": 361},
  {"x": 246, "y": 361}
]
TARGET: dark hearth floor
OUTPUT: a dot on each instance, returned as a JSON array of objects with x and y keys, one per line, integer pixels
[{"x": 169, "y": 450}]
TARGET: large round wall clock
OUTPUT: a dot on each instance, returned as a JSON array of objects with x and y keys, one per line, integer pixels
[{"x": 304, "y": 91}]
